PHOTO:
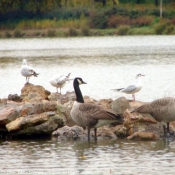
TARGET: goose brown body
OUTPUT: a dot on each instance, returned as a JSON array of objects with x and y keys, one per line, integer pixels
[
  {"x": 163, "y": 110},
  {"x": 90, "y": 115}
]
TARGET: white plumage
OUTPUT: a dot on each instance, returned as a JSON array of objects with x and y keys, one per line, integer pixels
[
  {"x": 60, "y": 81},
  {"x": 27, "y": 71},
  {"x": 133, "y": 88}
]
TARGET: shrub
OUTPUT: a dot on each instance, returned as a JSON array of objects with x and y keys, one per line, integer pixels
[
  {"x": 18, "y": 33},
  {"x": 115, "y": 21},
  {"x": 51, "y": 33},
  {"x": 97, "y": 20},
  {"x": 72, "y": 32},
  {"x": 123, "y": 30},
  {"x": 169, "y": 29},
  {"x": 85, "y": 31},
  {"x": 8, "y": 34},
  {"x": 142, "y": 21},
  {"x": 160, "y": 27}
]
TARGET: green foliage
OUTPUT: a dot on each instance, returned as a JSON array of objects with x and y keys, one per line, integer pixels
[
  {"x": 160, "y": 27},
  {"x": 18, "y": 33},
  {"x": 8, "y": 34},
  {"x": 51, "y": 33},
  {"x": 123, "y": 30},
  {"x": 85, "y": 31},
  {"x": 72, "y": 32}
]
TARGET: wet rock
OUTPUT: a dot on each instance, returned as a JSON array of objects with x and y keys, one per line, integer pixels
[
  {"x": 78, "y": 133},
  {"x": 45, "y": 128},
  {"x": 7, "y": 114},
  {"x": 143, "y": 136},
  {"x": 31, "y": 93},
  {"x": 120, "y": 131},
  {"x": 14, "y": 97},
  {"x": 120, "y": 105},
  {"x": 27, "y": 121},
  {"x": 73, "y": 133},
  {"x": 105, "y": 133}
]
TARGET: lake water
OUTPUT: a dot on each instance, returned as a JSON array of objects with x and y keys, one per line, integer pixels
[{"x": 104, "y": 63}]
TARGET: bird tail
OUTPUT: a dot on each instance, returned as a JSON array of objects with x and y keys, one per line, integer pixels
[
  {"x": 35, "y": 74},
  {"x": 68, "y": 75},
  {"x": 117, "y": 89}
]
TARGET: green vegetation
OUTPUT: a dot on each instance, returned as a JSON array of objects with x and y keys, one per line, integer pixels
[{"x": 51, "y": 18}]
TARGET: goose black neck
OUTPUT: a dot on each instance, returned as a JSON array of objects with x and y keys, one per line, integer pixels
[{"x": 79, "y": 96}]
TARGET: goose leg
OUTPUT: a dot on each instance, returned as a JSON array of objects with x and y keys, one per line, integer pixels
[
  {"x": 164, "y": 130},
  {"x": 168, "y": 127},
  {"x": 89, "y": 132},
  {"x": 95, "y": 130}
]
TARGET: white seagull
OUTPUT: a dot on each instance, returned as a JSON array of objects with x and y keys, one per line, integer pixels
[
  {"x": 27, "y": 71},
  {"x": 60, "y": 81},
  {"x": 133, "y": 88}
]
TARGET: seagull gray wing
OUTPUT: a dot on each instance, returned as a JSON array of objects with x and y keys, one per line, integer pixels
[{"x": 129, "y": 89}]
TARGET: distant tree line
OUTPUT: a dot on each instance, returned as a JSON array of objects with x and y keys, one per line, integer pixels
[{"x": 36, "y": 9}]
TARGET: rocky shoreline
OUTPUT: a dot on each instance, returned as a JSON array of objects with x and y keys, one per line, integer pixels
[{"x": 38, "y": 113}]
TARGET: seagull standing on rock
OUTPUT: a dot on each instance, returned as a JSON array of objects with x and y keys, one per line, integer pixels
[
  {"x": 60, "y": 81},
  {"x": 27, "y": 71},
  {"x": 133, "y": 88}
]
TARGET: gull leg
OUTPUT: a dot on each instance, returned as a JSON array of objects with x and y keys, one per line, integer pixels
[
  {"x": 60, "y": 90},
  {"x": 133, "y": 96}
]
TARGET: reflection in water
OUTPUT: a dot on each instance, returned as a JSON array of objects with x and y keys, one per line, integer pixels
[{"x": 104, "y": 156}]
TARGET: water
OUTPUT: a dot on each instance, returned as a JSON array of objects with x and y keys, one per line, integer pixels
[
  {"x": 104, "y": 63},
  {"x": 80, "y": 157}
]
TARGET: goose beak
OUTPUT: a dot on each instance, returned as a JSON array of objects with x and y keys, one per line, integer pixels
[{"x": 84, "y": 82}]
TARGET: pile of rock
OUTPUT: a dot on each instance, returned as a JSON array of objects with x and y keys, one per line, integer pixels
[{"x": 37, "y": 112}]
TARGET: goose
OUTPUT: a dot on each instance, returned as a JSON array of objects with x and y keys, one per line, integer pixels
[
  {"x": 89, "y": 115},
  {"x": 163, "y": 110},
  {"x": 60, "y": 81},
  {"x": 133, "y": 88},
  {"x": 27, "y": 71}
]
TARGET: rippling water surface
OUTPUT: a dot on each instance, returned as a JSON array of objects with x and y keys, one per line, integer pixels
[
  {"x": 80, "y": 157},
  {"x": 104, "y": 63}
]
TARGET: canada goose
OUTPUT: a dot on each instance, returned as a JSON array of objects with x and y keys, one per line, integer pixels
[
  {"x": 90, "y": 115},
  {"x": 27, "y": 71},
  {"x": 133, "y": 88},
  {"x": 163, "y": 110},
  {"x": 60, "y": 81}
]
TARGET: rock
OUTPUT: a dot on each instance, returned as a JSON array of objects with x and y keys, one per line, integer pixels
[
  {"x": 142, "y": 136},
  {"x": 78, "y": 133},
  {"x": 120, "y": 105},
  {"x": 38, "y": 107},
  {"x": 7, "y": 114},
  {"x": 14, "y": 97},
  {"x": 45, "y": 128},
  {"x": 73, "y": 133},
  {"x": 27, "y": 121},
  {"x": 120, "y": 131},
  {"x": 62, "y": 98},
  {"x": 31, "y": 93},
  {"x": 105, "y": 133}
]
